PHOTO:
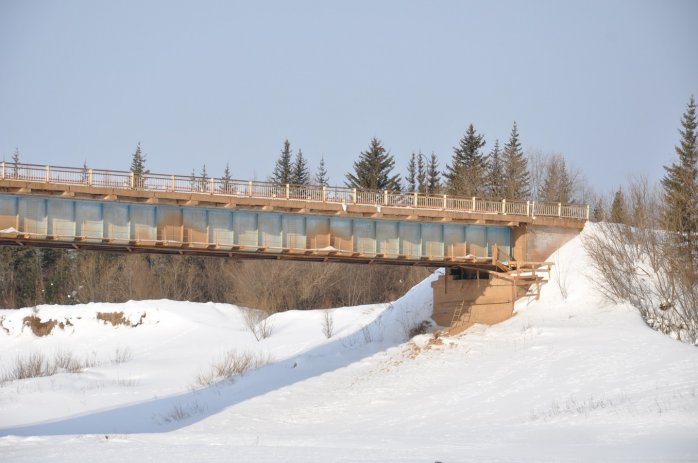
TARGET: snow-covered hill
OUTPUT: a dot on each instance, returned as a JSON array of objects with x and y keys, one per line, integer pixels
[{"x": 567, "y": 379}]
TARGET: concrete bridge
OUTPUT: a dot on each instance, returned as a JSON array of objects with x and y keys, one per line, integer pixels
[{"x": 80, "y": 208}]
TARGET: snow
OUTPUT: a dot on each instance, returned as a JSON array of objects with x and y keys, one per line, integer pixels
[{"x": 568, "y": 378}]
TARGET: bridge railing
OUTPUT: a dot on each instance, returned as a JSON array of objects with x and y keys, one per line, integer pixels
[{"x": 269, "y": 190}]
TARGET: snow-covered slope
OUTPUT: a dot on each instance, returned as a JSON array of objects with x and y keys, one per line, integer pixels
[{"x": 568, "y": 378}]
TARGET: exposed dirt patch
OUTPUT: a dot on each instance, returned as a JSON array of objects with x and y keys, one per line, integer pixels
[
  {"x": 38, "y": 327},
  {"x": 117, "y": 318}
]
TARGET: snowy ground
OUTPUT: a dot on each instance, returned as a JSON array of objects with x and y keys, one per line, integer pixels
[{"x": 566, "y": 379}]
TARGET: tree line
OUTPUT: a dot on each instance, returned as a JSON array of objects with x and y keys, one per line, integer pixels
[{"x": 502, "y": 173}]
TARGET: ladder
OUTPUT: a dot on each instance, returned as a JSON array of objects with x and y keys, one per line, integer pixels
[{"x": 457, "y": 314}]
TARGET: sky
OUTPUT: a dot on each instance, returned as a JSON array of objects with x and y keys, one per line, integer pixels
[{"x": 213, "y": 82}]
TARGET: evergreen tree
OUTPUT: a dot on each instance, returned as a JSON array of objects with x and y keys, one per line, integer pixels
[
  {"x": 84, "y": 174},
  {"x": 321, "y": 177},
  {"x": 516, "y": 176},
  {"x": 598, "y": 213},
  {"x": 138, "y": 167},
  {"x": 421, "y": 173},
  {"x": 301, "y": 174},
  {"x": 203, "y": 179},
  {"x": 557, "y": 183},
  {"x": 411, "y": 177},
  {"x": 618, "y": 208},
  {"x": 495, "y": 174},
  {"x": 15, "y": 163},
  {"x": 433, "y": 175},
  {"x": 283, "y": 171},
  {"x": 193, "y": 181},
  {"x": 680, "y": 211},
  {"x": 373, "y": 170},
  {"x": 466, "y": 176},
  {"x": 226, "y": 180}
]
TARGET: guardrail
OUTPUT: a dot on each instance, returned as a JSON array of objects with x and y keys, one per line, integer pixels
[{"x": 268, "y": 190}]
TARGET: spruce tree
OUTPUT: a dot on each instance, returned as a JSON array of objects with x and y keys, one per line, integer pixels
[
  {"x": 321, "y": 177},
  {"x": 680, "y": 184},
  {"x": 421, "y": 173},
  {"x": 495, "y": 175},
  {"x": 283, "y": 171},
  {"x": 618, "y": 208},
  {"x": 300, "y": 174},
  {"x": 203, "y": 179},
  {"x": 411, "y": 178},
  {"x": 433, "y": 175},
  {"x": 516, "y": 176},
  {"x": 226, "y": 180},
  {"x": 15, "y": 163},
  {"x": 138, "y": 167},
  {"x": 557, "y": 183},
  {"x": 373, "y": 170},
  {"x": 466, "y": 175}
]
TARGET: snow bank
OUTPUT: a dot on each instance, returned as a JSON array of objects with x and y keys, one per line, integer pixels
[{"x": 568, "y": 378}]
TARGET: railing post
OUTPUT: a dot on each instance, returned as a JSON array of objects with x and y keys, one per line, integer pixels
[
  {"x": 324, "y": 194},
  {"x": 533, "y": 209},
  {"x": 385, "y": 197},
  {"x": 504, "y": 206},
  {"x": 473, "y": 204},
  {"x": 249, "y": 188},
  {"x": 212, "y": 188},
  {"x": 559, "y": 209},
  {"x": 353, "y": 193},
  {"x": 528, "y": 208},
  {"x": 288, "y": 191},
  {"x": 48, "y": 175},
  {"x": 415, "y": 199},
  {"x": 173, "y": 183},
  {"x": 131, "y": 179},
  {"x": 444, "y": 202},
  {"x": 89, "y": 177},
  {"x": 587, "y": 212}
]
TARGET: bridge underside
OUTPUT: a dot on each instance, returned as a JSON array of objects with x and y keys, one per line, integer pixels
[{"x": 138, "y": 227}]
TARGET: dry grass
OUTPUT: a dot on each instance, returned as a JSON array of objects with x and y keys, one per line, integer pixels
[
  {"x": 118, "y": 318},
  {"x": 115, "y": 318},
  {"x": 38, "y": 327},
  {"x": 36, "y": 365},
  {"x": 230, "y": 365}
]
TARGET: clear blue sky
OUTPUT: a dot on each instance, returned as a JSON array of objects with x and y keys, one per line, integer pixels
[{"x": 603, "y": 82}]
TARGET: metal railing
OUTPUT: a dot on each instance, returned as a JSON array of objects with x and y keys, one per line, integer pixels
[{"x": 268, "y": 190}]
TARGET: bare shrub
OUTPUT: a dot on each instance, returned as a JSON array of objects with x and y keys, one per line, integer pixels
[
  {"x": 232, "y": 364},
  {"x": 645, "y": 267},
  {"x": 122, "y": 355},
  {"x": 66, "y": 361},
  {"x": 277, "y": 286},
  {"x": 181, "y": 412},
  {"x": 38, "y": 327},
  {"x": 34, "y": 365},
  {"x": 258, "y": 323},
  {"x": 327, "y": 324}
]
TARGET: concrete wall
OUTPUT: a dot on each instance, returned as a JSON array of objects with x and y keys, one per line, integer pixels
[
  {"x": 486, "y": 301},
  {"x": 536, "y": 243}
]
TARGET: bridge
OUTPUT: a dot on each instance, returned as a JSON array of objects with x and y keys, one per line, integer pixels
[{"x": 84, "y": 208}]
